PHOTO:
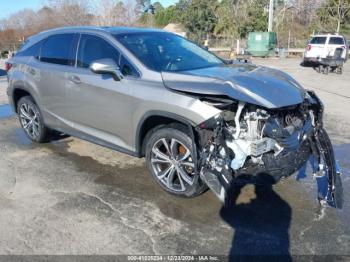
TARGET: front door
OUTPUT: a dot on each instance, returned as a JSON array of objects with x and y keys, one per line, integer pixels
[{"x": 99, "y": 105}]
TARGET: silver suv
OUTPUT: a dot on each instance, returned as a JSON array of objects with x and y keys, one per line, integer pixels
[{"x": 199, "y": 120}]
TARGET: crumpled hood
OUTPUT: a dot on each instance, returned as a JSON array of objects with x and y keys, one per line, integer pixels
[{"x": 249, "y": 83}]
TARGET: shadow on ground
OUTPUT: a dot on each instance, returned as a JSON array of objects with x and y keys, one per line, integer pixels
[
  {"x": 312, "y": 65},
  {"x": 261, "y": 227}
]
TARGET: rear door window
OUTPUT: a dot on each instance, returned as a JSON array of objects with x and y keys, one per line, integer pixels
[
  {"x": 59, "y": 49},
  {"x": 92, "y": 48},
  {"x": 336, "y": 41},
  {"x": 318, "y": 40}
]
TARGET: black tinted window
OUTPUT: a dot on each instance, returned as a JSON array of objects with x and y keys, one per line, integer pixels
[
  {"x": 31, "y": 50},
  {"x": 58, "y": 49},
  {"x": 318, "y": 40},
  {"x": 336, "y": 41},
  {"x": 92, "y": 48}
]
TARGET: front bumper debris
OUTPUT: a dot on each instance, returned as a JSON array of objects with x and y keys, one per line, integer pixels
[{"x": 223, "y": 158}]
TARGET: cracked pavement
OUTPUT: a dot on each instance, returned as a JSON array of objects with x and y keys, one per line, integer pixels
[{"x": 73, "y": 197}]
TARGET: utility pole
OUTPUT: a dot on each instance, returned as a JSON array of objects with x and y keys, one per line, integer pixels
[{"x": 271, "y": 16}]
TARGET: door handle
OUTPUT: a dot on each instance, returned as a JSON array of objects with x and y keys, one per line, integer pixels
[{"x": 74, "y": 79}]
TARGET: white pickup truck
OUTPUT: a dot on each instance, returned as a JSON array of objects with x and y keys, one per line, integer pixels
[{"x": 324, "y": 46}]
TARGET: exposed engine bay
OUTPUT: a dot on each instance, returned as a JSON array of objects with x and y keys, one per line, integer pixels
[{"x": 248, "y": 139}]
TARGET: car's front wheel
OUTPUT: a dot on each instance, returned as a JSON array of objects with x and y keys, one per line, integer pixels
[
  {"x": 31, "y": 120},
  {"x": 170, "y": 160}
]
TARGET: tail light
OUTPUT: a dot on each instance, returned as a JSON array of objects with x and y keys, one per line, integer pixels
[
  {"x": 8, "y": 66},
  {"x": 308, "y": 48}
]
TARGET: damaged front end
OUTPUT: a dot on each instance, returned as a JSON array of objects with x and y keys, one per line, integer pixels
[{"x": 246, "y": 140}]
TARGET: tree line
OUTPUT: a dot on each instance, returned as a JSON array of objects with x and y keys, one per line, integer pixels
[{"x": 294, "y": 20}]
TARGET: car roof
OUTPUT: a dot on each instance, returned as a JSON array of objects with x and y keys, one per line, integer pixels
[
  {"x": 326, "y": 35},
  {"x": 106, "y": 29},
  {"x": 115, "y": 30}
]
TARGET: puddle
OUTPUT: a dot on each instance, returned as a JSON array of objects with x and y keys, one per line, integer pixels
[
  {"x": 21, "y": 137},
  {"x": 136, "y": 182},
  {"x": 317, "y": 187},
  {"x": 341, "y": 156},
  {"x": 3, "y": 73},
  {"x": 6, "y": 111}
]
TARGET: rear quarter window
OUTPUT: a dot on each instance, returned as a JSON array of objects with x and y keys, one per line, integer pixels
[
  {"x": 30, "y": 50},
  {"x": 336, "y": 41},
  {"x": 318, "y": 40}
]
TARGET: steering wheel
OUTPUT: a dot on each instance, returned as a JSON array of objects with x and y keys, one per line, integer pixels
[{"x": 173, "y": 62}]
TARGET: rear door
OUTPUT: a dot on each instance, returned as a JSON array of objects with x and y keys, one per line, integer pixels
[{"x": 56, "y": 60}]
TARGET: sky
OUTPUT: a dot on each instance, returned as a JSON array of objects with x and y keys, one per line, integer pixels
[{"x": 8, "y": 7}]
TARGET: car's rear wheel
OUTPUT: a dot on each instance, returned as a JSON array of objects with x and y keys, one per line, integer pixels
[
  {"x": 31, "y": 120},
  {"x": 170, "y": 160}
]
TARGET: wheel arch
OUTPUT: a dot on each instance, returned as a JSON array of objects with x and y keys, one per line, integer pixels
[
  {"x": 154, "y": 119},
  {"x": 17, "y": 94}
]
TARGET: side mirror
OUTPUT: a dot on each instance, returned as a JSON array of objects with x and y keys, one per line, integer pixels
[{"x": 107, "y": 66}]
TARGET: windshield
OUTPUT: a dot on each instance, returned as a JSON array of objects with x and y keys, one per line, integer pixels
[{"x": 161, "y": 51}]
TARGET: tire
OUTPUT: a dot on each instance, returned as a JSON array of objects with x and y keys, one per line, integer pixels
[
  {"x": 339, "y": 70},
  {"x": 169, "y": 158},
  {"x": 32, "y": 121},
  {"x": 326, "y": 70}
]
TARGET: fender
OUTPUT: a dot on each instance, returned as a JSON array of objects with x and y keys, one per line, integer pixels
[
  {"x": 12, "y": 98},
  {"x": 19, "y": 81},
  {"x": 155, "y": 113}
]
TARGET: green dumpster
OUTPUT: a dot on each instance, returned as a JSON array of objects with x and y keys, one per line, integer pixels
[{"x": 262, "y": 43}]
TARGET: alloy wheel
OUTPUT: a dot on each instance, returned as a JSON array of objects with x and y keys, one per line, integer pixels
[
  {"x": 173, "y": 164},
  {"x": 29, "y": 117}
]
